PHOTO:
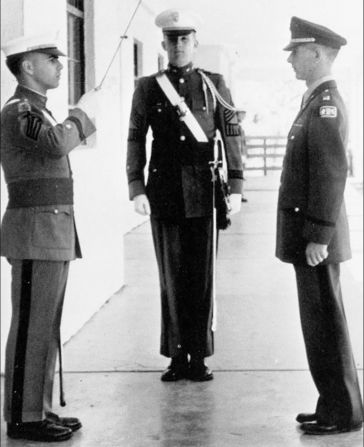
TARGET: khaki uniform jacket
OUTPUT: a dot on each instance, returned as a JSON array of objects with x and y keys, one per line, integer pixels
[
  {"x": 311, "y": 204},
  {"x": 34, "y": 148},
  {"x": 179, "y": 177}
]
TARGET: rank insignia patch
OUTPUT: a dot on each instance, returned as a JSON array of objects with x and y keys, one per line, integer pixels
[
  {"x": 232, "y": 128},
  {"x": 328, "y": 112},
  {"x": 33, "y": 126}
]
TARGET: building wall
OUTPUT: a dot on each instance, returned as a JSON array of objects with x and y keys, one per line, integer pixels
[
  {"x": 103, "y": 211},
  {"x": 215, "y": 58}
]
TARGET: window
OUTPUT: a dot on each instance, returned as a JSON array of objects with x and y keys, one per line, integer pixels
[
  {"x": 78, "y": 4},
  {"x": 76, "y": 50},
  {"x": 138, "y": 58}
]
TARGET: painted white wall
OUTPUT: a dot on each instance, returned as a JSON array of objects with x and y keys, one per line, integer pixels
[{"x": 215, "y": 58}]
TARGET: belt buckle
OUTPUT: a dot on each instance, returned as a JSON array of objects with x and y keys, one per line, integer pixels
[{"x": 181, "y": 109}]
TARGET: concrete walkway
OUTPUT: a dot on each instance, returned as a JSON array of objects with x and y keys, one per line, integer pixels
[{"x": 261, "y": 379}]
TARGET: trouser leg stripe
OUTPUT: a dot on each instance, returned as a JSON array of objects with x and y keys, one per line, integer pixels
[{"x": 21, "y": 341}]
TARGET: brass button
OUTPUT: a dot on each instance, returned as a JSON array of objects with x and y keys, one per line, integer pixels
[
  {"x": 56, "y": 211},
  {"x": 181, "y": 81},
  {"x": 182, "y": 138},
  {"x": 296, "y": 209}
]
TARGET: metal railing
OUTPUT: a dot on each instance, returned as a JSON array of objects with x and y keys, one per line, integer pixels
[{"x": 265, "y": 153}]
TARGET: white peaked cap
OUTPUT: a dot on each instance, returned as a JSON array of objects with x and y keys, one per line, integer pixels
[
  {"x": 41, "y": 43},
  {"x": 176, "y": 20}
]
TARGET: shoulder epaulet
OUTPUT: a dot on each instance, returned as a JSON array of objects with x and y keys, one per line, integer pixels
[
  {"x": 158, "y": 73},
  {"x": 208, "y": 73},
  {"x": 10, "y": 103},
  {"x": 23, "y": 104},
  {"x": 145, "y": 79},
  {"x": 328, "y": 107},
  {"x": 326, "y": 95}
]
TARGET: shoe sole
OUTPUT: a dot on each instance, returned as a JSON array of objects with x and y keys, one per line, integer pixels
[
  {"x": 73, "y": 427},
  {"x": 334, "y": 432},
  {"x": 65, "y": 437},
  {"x": 172, "y": 380},
  {"x": 303, "y": 420},
  {"x": 201, "y": 379}
]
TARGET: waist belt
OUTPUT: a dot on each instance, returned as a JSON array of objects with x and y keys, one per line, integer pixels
[{"x": 40, "y": 192}]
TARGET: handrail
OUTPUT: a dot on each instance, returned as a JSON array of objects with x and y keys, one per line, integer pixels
[{"x": 266, "y": 152}]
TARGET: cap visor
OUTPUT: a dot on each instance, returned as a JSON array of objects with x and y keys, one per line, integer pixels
[
  {"x": 52, "y": 51},
  {"x": 178, "y": 32},
  {"x": 291, "y": 45}
]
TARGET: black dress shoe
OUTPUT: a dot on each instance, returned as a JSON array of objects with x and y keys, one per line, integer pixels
[
  {"x": 316, "y": 428},
  {"x": 44, "y": 431},
  {"x": 73, "y": 423},
  {"x": 174, "y": 372},
  {"x": 244, "y": 200},
  {"x": 199, "y": 372},
  {"x": 306, "y": 417}
]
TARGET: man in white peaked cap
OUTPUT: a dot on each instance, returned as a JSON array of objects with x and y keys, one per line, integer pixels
[
  {"x": 178, "y": 193},
  {"x": 38, "y": 236}
]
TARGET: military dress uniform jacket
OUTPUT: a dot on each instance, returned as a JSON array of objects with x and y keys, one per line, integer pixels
[
  {"x": 179, "y": 178},
  {"x": 39, "y": 222},
  {"x": 310, "y": 205}
]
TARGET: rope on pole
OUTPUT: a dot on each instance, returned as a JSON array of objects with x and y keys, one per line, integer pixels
[{"x": 122, "y": 38}]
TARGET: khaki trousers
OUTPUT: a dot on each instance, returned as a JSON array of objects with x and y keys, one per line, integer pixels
[{"x": 37, "y": 291}]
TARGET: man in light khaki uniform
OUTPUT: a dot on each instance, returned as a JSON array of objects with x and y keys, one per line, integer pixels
[{"x": 39, "y": 236}]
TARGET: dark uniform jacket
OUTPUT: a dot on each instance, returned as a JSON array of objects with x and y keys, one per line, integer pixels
[
  {"x": 179, "y": 178},
  {"x": 311, "y": 206},
  {"x": 39, "y": 220}
]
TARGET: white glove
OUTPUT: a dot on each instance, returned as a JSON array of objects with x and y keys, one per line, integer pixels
[
  {"x": 316, "y": 253},
  {"x": 235, "y": 203},
  {"x": 89, "y": 103},
  {"x": 141, "y": 205}
]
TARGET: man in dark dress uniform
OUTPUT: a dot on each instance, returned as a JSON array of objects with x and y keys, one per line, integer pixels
[
  {"x": 38, "y": 235},
  {"x": 178, "y": 194},
  {"x": 312, "y": 228}
]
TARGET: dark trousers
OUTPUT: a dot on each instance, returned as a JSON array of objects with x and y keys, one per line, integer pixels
[
  {"x": 37, "y": 293},
  {"x": 184, "y": 256},
  {"x": 328, "y": 345}
]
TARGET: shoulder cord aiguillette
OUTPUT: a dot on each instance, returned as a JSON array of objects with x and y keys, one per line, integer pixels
[{"x": 215, "y": 93}]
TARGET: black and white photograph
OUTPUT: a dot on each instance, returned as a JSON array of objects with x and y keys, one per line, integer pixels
[{"x": 181, "y": 223}]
